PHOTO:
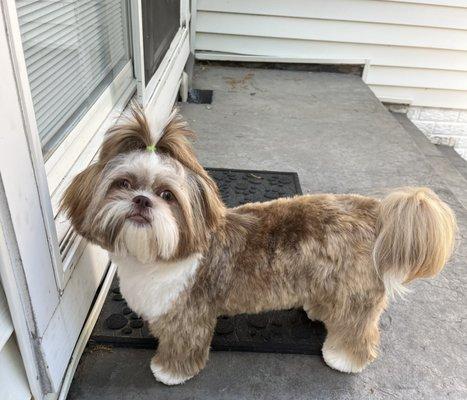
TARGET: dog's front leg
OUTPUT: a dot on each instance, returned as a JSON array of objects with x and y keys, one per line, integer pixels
[{"x": 183, "y": 349}]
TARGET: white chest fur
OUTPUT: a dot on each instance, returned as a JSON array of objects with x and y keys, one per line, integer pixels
[{"x": 151, "y": 289}]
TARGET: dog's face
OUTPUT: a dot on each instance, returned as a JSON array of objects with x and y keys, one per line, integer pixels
[
  {"x": 142, "y": 201},
  {"x": 151, "y": 205}
]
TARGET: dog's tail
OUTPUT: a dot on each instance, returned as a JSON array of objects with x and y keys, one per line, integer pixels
[{"x": 416, "y": 234}]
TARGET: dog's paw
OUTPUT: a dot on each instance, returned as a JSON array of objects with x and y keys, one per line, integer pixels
[
  {"x": 165, "y": 377},
  {"x": 340, "y": 361},
  {"x": 311, "y": 316}
]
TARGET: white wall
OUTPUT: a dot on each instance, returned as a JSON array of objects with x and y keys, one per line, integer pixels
[
  {"x": 415, "y": 50},
  {"x": 13, "y": 382}
]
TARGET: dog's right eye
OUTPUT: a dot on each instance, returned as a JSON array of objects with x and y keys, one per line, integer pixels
[{"x": 124, "y": 184}]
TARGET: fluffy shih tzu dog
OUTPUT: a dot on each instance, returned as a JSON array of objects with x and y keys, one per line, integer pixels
[{"x": 184, "y": 258}]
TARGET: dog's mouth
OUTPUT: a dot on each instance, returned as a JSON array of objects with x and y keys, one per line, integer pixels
[{"x": 139, "y": 218}]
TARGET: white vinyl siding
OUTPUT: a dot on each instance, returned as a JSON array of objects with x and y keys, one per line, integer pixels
[
  {"x": 414, "y": 51},
  {"x": 73, "y": 49},
  {"x": 13, "y": 382}
]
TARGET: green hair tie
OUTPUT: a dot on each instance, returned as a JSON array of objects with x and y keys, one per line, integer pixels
[{"x": 151, "y": 148}]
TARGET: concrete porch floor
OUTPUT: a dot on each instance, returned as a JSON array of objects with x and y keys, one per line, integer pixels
[{"x": 332, "y": 130}]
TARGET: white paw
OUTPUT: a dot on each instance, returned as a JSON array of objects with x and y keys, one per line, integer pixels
[
  {"x": 340, "y": 361},
  {"x": 165, "y": 377}
]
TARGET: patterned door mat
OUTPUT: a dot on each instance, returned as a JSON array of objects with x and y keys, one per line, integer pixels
[{"x": 271, "y": 332}]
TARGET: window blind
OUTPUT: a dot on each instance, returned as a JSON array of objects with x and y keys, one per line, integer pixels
[{"x": 73, "y": 49}]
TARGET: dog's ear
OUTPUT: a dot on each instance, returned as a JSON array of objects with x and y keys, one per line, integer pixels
[
  {"x": 129, "y": 134},
  {"x": 212, "y": 207},
  {"x": 176, "y": 142},
  {"x": 78, "y": 196}
]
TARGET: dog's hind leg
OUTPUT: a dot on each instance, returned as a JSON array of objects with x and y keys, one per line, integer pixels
[{"x": 352, "y": 342}]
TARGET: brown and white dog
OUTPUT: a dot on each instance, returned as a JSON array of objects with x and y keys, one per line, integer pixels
[{"x": 184, "y": 258}]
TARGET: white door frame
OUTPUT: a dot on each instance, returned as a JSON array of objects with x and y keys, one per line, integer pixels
[
  {"x": 158, "y": 96},
  {"x": 23, "y": 237}
]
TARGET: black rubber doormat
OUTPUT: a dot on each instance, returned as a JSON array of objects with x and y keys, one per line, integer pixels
[{"x": 272, "y": 332}]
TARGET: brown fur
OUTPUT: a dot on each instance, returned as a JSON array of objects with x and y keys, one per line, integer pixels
[{"x": 330, "y": 254}]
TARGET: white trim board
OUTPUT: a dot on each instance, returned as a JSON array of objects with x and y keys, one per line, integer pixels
[
  {"x": 193, "y": 12},
  {"x": 86, "y": 332},
  {"x": 166, "y": 64},
  {"x": 160, "y": 103},
  {"x": 219, "y": 56},
  {"x": 14, "y": 284},
  {"x": 6, "y": 326},
  {"x": 137, "y": 42},
  {"x": 13, "y": 382},
  {"x": 76, "y": 300}
]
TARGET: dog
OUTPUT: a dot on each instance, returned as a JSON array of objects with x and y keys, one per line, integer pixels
[{"x": 184, "y": 258}]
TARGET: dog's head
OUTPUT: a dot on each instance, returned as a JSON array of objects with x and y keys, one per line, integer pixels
[{"x": 145, "y": 198}]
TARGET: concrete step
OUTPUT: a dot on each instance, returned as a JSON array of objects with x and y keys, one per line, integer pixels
[
  {"x": 455, "y": 159},
  {"x": 450, "y": 166}
]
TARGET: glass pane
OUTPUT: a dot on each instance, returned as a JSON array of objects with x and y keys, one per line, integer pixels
[{"x": 73, "y": 50}]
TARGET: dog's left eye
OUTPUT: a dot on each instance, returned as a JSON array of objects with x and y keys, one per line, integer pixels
[
  {"x": 167, "y": 195},
  {"x": 124, "y": 184}
]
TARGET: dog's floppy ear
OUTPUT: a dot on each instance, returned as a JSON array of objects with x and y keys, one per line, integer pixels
[
  {"x": 175, "y": 141},
  {"x": 78, "y": 196},
  {"x": 213, "y": 208},
  {"x": 130, "y": 133}
]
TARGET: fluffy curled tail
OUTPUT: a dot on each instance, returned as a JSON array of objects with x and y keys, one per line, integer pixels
[{"x": 416, "y": 234}]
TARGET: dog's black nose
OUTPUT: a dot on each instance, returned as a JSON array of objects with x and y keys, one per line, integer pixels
[{"x": 142, "y": 201}]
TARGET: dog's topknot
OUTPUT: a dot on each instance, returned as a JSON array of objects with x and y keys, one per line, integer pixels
[{"x": 130, "y": 133}]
